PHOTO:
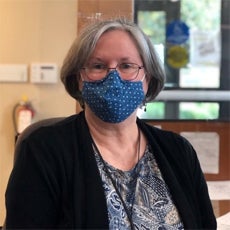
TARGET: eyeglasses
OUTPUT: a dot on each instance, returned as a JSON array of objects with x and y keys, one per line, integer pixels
[{"x": 127, "y": 71}]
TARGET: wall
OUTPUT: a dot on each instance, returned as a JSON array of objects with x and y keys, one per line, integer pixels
[{"x": 32, "y": 31}]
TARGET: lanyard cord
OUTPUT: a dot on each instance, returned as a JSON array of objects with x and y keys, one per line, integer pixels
[{"x": 129, "y": 213}]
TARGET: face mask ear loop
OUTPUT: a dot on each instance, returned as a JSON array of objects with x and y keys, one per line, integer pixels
[
  {"x": 143, "y": 78},
  {"x": 82, "y": 79},
  {"x": 143, "y": 106}
]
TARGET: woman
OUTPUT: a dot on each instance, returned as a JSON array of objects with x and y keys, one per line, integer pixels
[{"x": 104, "y": 168}]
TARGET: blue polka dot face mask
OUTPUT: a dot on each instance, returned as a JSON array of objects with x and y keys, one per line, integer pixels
[{"x": 113, "y": 99}]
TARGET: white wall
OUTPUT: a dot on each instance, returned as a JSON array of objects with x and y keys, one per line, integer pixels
[{"x": 32, "y": 31}]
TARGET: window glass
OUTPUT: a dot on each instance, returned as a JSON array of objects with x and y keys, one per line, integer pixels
[
  {"x": 198, "y": 110},
  {"x": 153, "y": 24},
  {"x": 203, "y": 20}
]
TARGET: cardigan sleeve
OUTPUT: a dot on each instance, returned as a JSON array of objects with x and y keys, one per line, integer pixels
[
  {"x": 190, "y": 175},
  {"x": 33, "y": 193},
  {"x": 206, "y": 210},
  {"x": 55, "y": 182},
  {"x": 186, "y": 166}
]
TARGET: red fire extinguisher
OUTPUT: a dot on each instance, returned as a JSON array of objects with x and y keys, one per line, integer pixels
[{"x": 23, "y": 114}]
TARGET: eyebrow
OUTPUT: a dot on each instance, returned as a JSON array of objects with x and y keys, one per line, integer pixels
[
  {"x": 95, "y": 59},
  {"x": 103, "y": 60}
]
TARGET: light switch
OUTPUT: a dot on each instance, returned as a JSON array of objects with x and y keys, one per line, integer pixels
[{"x": 43, "y": 73}]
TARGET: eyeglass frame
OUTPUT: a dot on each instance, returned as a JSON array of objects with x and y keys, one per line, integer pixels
[{"x": 107, "y": 69}]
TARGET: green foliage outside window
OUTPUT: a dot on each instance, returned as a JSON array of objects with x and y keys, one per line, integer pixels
[
  {"x": 153, "y": 24},
  {"x": 199, "y": 110},
  {"x": 201, "y": 14}
]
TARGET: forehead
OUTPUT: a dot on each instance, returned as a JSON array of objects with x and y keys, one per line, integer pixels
[
  {"x": 117, "y": 36},
  {"x": 116, "y": 43}
]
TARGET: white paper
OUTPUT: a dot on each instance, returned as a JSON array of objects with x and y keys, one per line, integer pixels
[
  {"x": 206, "y": 145},
  {"x": 223, "y": 222},
  {"x": 219, "y": 190}
]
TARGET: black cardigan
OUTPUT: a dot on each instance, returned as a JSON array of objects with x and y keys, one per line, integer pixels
[{"x": 55, "y": 182}]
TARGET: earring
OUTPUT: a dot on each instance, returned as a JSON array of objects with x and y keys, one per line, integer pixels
[{"x": 144, "y": 106}]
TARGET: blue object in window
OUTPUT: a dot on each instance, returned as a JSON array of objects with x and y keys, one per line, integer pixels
[{"x": 177, "y": 32}]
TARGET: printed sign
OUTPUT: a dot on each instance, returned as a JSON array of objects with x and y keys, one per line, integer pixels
[
  {"x": 177, "y": 56},
  {"x": 177, "y": 32}
]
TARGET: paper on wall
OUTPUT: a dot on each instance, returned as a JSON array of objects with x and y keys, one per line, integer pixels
[{"x": 206, "y": 145}]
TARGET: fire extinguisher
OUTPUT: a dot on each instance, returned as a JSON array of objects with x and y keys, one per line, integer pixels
[{"x": 23, "y": 113}]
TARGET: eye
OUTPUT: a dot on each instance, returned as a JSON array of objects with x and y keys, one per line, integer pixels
[
  {"x": 97, "y": 66},
  {"x": 126, "y": 66}
]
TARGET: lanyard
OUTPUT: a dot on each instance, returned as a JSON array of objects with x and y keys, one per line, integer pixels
[{"x": 129, "y": 213}]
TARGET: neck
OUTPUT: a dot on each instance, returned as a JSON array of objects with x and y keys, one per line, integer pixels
[
  {"x": 120, "y": 130},
  {"x": 117, "y": 143}
]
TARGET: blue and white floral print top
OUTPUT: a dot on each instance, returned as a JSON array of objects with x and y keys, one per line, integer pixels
[{"x": 145, "y": 194}]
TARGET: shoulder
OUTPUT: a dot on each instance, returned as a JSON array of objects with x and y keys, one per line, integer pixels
[
  {"x": 44, "y": 128},
  {"x": 57, "y": 125},
  {"x": 53, "y": 135},
  {"x": 162, "y": 136},
  {"x": 173, "y": 146}
]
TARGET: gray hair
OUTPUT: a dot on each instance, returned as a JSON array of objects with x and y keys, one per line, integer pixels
[{"x": 85, "y": 43}]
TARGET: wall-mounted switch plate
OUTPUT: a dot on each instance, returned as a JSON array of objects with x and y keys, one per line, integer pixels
[
  {"x": 13, "y": 73},
  {"x": 43, "y": 73}
]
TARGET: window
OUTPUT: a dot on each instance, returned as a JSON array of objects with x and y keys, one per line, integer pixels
[{"x": 195, "y": 57}]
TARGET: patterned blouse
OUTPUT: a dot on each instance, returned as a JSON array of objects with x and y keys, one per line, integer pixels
[{"x": 144, "y": 192}]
